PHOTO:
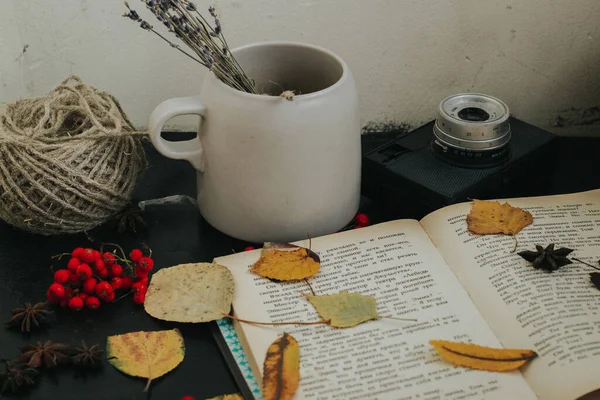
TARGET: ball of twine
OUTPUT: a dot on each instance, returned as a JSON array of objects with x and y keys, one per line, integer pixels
[{"x": 68, "y": 160}]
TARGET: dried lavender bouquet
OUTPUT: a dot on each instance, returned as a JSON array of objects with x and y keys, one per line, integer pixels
[{"x": 207, "y": 42}]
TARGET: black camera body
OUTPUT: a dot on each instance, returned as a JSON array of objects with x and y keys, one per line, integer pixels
[{"x": 410, "y": 180}]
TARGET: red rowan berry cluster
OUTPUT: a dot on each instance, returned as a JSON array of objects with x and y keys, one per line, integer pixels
[{"x": 92, "y": 278}]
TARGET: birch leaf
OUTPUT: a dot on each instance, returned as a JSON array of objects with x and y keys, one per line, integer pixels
[
  {"x": 199, "y": 292},
  {"x": 480, "y": 357},
  {"x": 490, "y": 217},
  {"x": 281, "y": 370},
  {"x": 146, "y": 354},
  {"x": 286, "y": 262},
  {"x": 344, "y": 310}
]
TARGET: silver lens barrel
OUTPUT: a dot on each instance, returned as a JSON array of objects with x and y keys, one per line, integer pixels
[
  {"x": 473, "y": 122},
  {"x": 471, "y": 145}
]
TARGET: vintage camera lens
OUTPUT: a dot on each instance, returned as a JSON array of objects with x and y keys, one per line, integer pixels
[{"x": 472, "y": 130}]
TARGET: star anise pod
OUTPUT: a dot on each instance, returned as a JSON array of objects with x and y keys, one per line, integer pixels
[
  {"x": 30, "y": 316},
  {"x": 46, "y": 354},
  {"x": 547, "y": 258},
  {"x": 89, "y": 356},
  {"x": 16, "y": 376},
  {"x": 129, "y": 219}
]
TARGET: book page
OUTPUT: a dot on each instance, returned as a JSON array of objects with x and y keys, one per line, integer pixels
[
  {"x": 384, "y": 359},
  {"x": 556, "y": 314}
]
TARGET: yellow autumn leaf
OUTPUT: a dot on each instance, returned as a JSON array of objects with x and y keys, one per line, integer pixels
[
  {"x": 490, "y": 217},
  {"x": 234, "y": 396},
  {"x": 286, "y": 262},
  {"x": 146, "y": 354},
  {"x": 281, "y": 370},
  {"x": 344, "y": 310},
  {"x": 480, "y": 357}
]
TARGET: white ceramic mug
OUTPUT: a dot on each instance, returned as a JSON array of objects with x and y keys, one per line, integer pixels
[{"x": 272, "y": 169}]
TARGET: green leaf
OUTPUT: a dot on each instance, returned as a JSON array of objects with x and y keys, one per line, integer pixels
[{"x": 344, "y": 310}]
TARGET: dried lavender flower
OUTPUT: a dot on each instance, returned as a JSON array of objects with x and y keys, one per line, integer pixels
[
  {"x": 131, "y": 14},
  {"x": 206, "y": 40},
  {"x": 164, "y": 5}
]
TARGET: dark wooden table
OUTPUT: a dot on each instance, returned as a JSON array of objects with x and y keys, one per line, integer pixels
[{"x": 176, "y": 234}]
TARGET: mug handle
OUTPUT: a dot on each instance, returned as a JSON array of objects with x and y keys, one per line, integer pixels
[{"x": 190, "y": 150}]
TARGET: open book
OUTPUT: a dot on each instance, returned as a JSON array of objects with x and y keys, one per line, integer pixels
[{"x": 460, "y": 287}]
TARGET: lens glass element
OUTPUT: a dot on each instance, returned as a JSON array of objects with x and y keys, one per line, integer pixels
[{"x": 474, "y": 114}]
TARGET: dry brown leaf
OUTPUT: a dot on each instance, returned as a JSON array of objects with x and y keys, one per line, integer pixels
[
  {"x": 286, "y": 262},
  {"x": 199, "y": 292},
  {"x": 146, "y": 354},
  {"x": 480, "y": 357},
  {"x": 281, "y": 370},
  {"x": 490, "y": 217}
]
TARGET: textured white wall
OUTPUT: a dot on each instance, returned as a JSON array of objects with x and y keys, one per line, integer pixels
[{"x": 541, "y": 56}]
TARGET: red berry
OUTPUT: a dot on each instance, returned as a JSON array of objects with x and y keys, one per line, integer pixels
[
  {"x": 138, "y": 288},
  {"x": 97, "y": 255},
  {"x": 143, "y": 281},
  {"x": 187, "y": 398},
  {"x": 51, "y": 298},
  {"x": 110, "y": 297},
  {"x": 136, "y": 255},
  {"x": 248, "y": 248},
  {"x": 61, "y": 276},
  {"x": 89, "y": 285},
  {"x": 108, "y": 258},
  {"x": 103, "y": 273},
  {"x": 84, "y": 272},
  {"x": 92, "y": 302},
  {"x": 146, "y": 263},
  {"x": 361, "y": 219},
  {"x": 57, "y": 290},
  {"x": 74, "y": 279},
  {"x": 103, "y": 289},
  {"x": 76, "y": 303},
  {"x": 99, "y": 264},
  {"x": 116, "y": 283},
  {"x": 82, "y": 296},
  {"x": 126, "y": 282},
  {"x": 139, "y": 298},
  {"x": 73, "y": 264},
  {"x": 141, "y": 273},
  {"x": 68, "y": 293},
  {"x": 116, "y": 270},
  {"x": 88, "y": 256},
  {"x": 77, "y": 252},
  {"x": 64, "y": 302}
]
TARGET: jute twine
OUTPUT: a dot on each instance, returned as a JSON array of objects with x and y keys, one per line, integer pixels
[{"x": 68, "y": 160}]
